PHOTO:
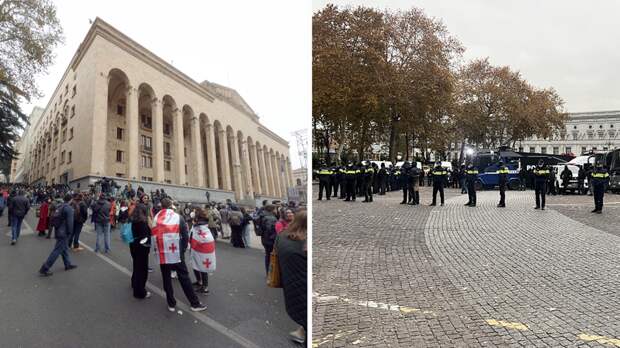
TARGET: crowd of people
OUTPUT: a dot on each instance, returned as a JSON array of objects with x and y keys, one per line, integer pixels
[{"x": 156, "y": 224}]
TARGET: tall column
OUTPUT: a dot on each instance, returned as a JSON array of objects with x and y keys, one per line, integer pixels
[
  {"x": 177, "y": 116},
  {"x": 158, "y": 140},
  {"x": 255, "y": 172},
  {"x": 276, "y": 179},
  {"x": 261, "y": 171},
  {"x": 100, "y": 125},
  {"x": 211, "y": 159},
  {"x": 282, "y": 176},
  {"x": 269, "y": 172},
  {"x": 197, "y": 152},
  {"x": 224, "y": 159},
  {"x": 234, "y": 152},
  {"x": 132, "y": 116},
  {"x": 289, "y": 172},
  {"x": 245, "y": 157}
]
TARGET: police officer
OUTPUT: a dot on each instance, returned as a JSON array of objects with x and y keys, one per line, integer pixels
[
  {"x": 361, "y": 167},
  {"x": 414, "y": 193},
  {"x": 439, "y": 176},
  {"x": 471, "y": 175},
  {"x": 383, "y": 174},
  {"x": 599, "y": 180},
  {"x": 541, "y": 173},
  {"x": 350, "y": 178},
  {"x": 566, "y": 176},
  {"x": 324, "y": 175},
  {"x": 334, "y": 181},
  {"x": 343, "y": 182},
  {"x": 581, "y": 177},
  {"x": 502, "y": 172},
  {"x": 369, "y": 177},
  {"x": 404, "y": 178}
]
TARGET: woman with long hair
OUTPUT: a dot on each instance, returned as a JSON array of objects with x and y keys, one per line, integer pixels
[
  {"x": 291, "y": 247},
  {"x": 139, "y": 249}
]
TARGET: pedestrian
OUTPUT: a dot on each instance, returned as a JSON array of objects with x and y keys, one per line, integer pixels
[
  {"x": 171, "y": 239},
  {"x": 368, "y": 180},
  {"x": 246, "y": 226},
  {"x": 566, "y": 177},
  {"x": 202, "y": 252},
  {"x": 414, "y": 193},
  {"x": 224, "y": 213},
  {"x": 324, "y": 175},
  {"x": 292, "y": 250},
  {"x": 10, "y": 206},
  {"x": 438, "y": 175},
  {"x": 502, "y": 172},
  {"x": 42, "y": 225},
  {"x": 471, "y": 176},
  {"x": 599, "y": 180},
  {"x": 215, "y": 221},
  {"x": 350, "y": 177},
  {"x": 80, "y": 213},
  {"x": 2, "y": 203},
  {"x": 405, "y": 177},
  {"x": 18, "y": 207},
  {"x": 139, "y": 248},
  {"x": 101, "y": 218},
  {"x": 284, "y": 220},
  {"x": 235, "y": 220},
  {"x": 462, "y": 179},
  {"x": 541, "y": 173},
  {"x": 63, "y": 220},
  {"x": 581, "y": 178},
  {"x": 268, "y": 232}
]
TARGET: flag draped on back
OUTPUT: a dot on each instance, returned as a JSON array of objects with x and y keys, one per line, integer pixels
[
  {"x": 202, "y": 249},
  {"x": 167, "y": 237}
]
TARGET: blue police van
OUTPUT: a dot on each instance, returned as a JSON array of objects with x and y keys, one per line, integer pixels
[{"x": 487, "y": 164}]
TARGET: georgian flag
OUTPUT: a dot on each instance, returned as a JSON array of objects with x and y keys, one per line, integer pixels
[
  {"x": 202, "y": 249},
  {"x": 166, "y": 237}
]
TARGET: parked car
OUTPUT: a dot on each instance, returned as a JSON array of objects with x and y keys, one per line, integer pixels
[{"x": 573, "y": 184}]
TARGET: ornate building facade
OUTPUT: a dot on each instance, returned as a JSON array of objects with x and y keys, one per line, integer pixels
[{"x": 120, "y": 111}]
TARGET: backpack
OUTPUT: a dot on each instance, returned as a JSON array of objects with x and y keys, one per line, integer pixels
[
  {"x": 234, "y": 219},
  {"x": 56, "y": 218}
]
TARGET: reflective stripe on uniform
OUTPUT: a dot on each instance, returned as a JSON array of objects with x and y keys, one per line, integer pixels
[{"x": 600, "y": 175}]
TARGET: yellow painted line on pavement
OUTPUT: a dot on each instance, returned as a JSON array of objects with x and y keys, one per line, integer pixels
[
  {"x": 600, "y": 339},
  {"x": 507, "y": 324}
]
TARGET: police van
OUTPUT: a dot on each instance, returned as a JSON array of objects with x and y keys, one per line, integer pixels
[
  {"x": 487, "y": 164},
  {"x": 614, "y": 170}
]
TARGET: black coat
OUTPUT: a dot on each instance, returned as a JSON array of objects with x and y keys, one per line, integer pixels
[
  {"x": 293, "y": 263},
  {"x": 66, "y": 227},
  {"x": 101, "y": 211},
  {"x": 19, "y": 206}
]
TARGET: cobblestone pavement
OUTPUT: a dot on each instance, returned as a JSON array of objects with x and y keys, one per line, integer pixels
[{"x": 391, "y": 275}]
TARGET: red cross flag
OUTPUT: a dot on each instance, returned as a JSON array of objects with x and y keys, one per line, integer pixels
[
  {"x": 166, "y": 237},
  {"x": 202, "y": 249}
]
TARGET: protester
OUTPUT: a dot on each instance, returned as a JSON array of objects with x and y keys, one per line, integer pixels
[
  {"x": 235, "y": 220},
  {"x": 291, "y": 247},
  {"x": 246, "y": 227},
  {"x": 215, "y": 221},
  {"x": 80, "y": 212},
  {"x": 42, "y": 225},
  {"x": 268, "y": 231},
  {"x": 101, "y": 218},
  {"x": 139, "y": 248},
  {"x": 18, "y": 207},
  {"x": 224, "y": 213},
  {"x": 286, "y": 219},
  {"x": 171, "y": 239},
  {"x": 63, "y": 218},
  {"x": 202, "y": 250}
]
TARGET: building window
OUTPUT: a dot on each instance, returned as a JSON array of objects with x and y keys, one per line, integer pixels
[
  {"x": 74, "y": 91},
  {"x": 66, "y": 89},
  {"x": 120, "y": 109},
  {"x": 147, "y": 162},
  {"x": 62, "y": 157},
  {"x": 186, "y": 169},
  {"x": 556, "y": 150},
  {"x": 600, "y": 126},
  {"x": 590, "y": 136},
  {"x": 71, "y": 133},
  {"x": 168, "y": 181},
  {"x": 64, "y": 135},
  {"x": 574, "y": 127},
  {"x": 167, "y": 148},
  {"x": 72, "y": 110},
  {"x": 590, "y": 126},
  {"x": 583, "y": 150},
  {"x": 594, "y": 148},
  {"x": 184, "y": 152},
  {"x": 119, "y": 156},
  {"x": 53, "y": 163},
  {"x": 120, "y": 175},
  {"x": 605, "y": 148},
  {"x": 119, "y": 133},
  {"x": 70, "y": 158},
  {"x": 569, "y": 149},
  {"x": 147, "y": 121},
  {"x": 167, "y": 129},
  {"x": 611, "y": 126},
  {"x": 147, "y": 178},
  {"x": 147, "y": 143},
  {"x": 167, "y": 166},
  {"x": 543, "y": 150}
]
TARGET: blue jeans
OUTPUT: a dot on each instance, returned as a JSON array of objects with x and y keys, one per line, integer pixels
[
  {"x": 103, "y": 232},
  {"x": 16, "y": 226},
  {"x": 60, "y": 249},
  {"x": 75, "y": 238}
]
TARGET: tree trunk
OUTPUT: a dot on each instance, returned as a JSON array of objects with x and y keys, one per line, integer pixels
[{"x": 462, "y": 151}]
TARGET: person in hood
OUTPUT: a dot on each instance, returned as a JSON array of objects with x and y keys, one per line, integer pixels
[
  {"x": 101, "y": 218},
  {"x": 62, "y": 246}
]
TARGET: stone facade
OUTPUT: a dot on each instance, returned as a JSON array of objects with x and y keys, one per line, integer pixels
[{"x": 122, "y": 112}]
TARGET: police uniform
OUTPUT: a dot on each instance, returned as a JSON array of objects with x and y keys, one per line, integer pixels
[
  {"x": 414, "y": 193},
  {"x": 541, "y": 173},
  {"x": 324, "y": 175},
  {"x": 471, "y": 175},
  {"x": 334, "y": 181},
  {"x": 404, "y": 177},
  {"x": 369, "y": 177},
  {"x": 599, "y": 180},
  {"x": 438, "y": 174},
  {"x": 502, "y": 172},
  {"x": 382, "y": 179},
  {"x": 350, "y": 178}
]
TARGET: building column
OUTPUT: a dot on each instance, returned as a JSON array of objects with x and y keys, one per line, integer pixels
[
  {"x": 177, "y": 116},
  {"x": 262, "y": 173},
  {"x": 287, "y": 168},
  {"x": 100, "y": 126},
  {"x": 132, "y": 115},
  {"x": 234, "y": 152},
  {"x": 158, "y": 141},
  {"x": 245, "y": 157},
  {"x": 211, "y": 158},
  {"x": 197, "y": 152},
  {"x": 282, "y": 176},
  {"x": 269, "y": 174},
  {"x": 226, "y": 182},
  {"x": 255, "y": 172},
  {"x": 276, "y": 179}
]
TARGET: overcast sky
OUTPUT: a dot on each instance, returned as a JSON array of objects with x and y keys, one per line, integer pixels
[
  {"x": 573, "y": 46},
  {"x": 260, "y": 48}
]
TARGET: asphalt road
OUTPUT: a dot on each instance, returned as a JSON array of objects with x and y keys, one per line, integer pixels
[
  {"x": 93, "y": 306},
  {"x": 395, "y": 275}
]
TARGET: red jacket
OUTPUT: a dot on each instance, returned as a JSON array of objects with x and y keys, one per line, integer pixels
[{"x": 43, "y": 218}]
